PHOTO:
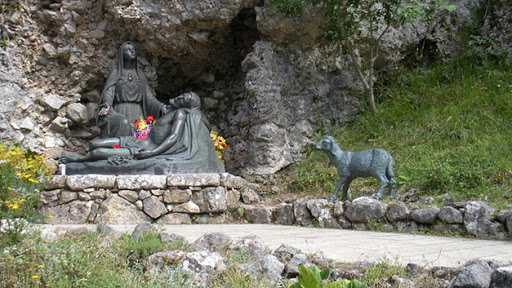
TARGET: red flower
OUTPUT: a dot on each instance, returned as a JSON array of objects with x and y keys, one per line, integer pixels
[
  {"x": 134, "y": 120},
  {"x": 117, "y": 146},
  {"x": 150, "y": 119},
  {"x": 136, "y": 125}
]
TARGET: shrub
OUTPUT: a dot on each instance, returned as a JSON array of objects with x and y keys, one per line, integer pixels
[
  {"x": 22, "y": 174},
  {"x": 142, "y": 247},
  {"x": 312, "y": 277}
]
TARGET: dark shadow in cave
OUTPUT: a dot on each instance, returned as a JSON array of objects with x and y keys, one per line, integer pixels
[{"x": 230, "y": 45}]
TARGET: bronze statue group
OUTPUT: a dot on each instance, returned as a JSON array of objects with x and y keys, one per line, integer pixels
[{"x": 179, "y": 140}]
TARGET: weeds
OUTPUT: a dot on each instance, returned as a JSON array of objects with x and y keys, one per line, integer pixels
[{"x": 447, "y": 128}]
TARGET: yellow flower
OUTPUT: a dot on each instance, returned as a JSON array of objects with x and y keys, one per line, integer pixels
[
  {"x": 221, "y": 143},
  {"x": 40, "y": 266},
  {"x": 35, "y": 276},
  {"x": 50, "y": 216},
  {"x": 14, "y": 206}
]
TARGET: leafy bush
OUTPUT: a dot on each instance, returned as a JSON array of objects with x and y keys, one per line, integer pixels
[
  {"x": 22, "y": 174},
  {"x": 312, "y": 277},
  {"x": 143, "y": 246}
]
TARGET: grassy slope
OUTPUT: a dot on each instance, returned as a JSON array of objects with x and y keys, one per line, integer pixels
[{"x": 448, "y": 128}]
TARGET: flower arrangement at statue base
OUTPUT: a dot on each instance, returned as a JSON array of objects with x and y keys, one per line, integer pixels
[
  {"x": 219, "y": 143},
  {"x": 142, "y": 127}
]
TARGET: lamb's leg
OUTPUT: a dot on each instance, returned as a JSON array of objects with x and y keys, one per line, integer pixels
[
  {"x": 334, "y": 196},
  {"x": 390, "y": 175},
  {"x": 344, "y": 196},
  {"x": 391, "y": 186},
  {"x": 383, "y": 183}
]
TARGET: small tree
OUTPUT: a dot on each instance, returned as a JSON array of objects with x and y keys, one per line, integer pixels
[{"x": 363, "y": 23}]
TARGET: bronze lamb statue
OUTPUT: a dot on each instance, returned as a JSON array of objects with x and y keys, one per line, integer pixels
[{"x": 377, "y": 163}]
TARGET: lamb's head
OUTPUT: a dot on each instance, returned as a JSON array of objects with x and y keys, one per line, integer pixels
[{"x": 325, "y": 144}]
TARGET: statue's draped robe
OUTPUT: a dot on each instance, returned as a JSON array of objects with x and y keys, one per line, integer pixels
[
  {"x": 129, "y": 97},
  {"x": 192, "y": 153}
]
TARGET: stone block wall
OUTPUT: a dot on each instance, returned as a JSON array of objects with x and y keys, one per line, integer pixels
[
  {"x": 132, "y": 199},
  {"x": 224, "y": 198},
  {"x": 472, "y": 218}
]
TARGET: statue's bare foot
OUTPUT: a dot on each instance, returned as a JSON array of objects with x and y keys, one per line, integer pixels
[{"x": 69, "y": 158}]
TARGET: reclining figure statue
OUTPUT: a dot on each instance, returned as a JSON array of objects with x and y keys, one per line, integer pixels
[
  {"x": 377, "y": 163},
  {"x": 179, "y": 142}
]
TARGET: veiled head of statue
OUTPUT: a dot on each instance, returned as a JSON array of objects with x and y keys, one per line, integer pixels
[{"x": 129, "y": 51}]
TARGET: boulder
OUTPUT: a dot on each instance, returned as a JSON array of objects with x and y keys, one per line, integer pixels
[
  {"x": 425, "y": 216},
  {"x": 76, "y": 212},
  {"x": 212, "y": 242},
  {"x": 116, "y": 210},
  {"x": 211, "y": 199},
  {"x": 478, "y": 220},
  {"x": 365, "y": 209},
  {"x": 176, "y": 196},
  {"x": 257, "y": 215},
  {"x": 249, "y": 196},
  {"x": 301, "y": 212},
  {"x": 157, "y": 261},
  {"x": 154, "y": 207},
  {"x": 285, "y": 253},
  {"x": 320, "y": 209},
  {"x": 476, "y": 273},
  {"x": 397, "y": 211},
  {"x": 141, "y": 230},
  {"x": 203, "y": 266},
  {"x": 451, "y": 215},
  {"x": 284, "y": 214},
  {"x": 502, "y": 277},
  {"x": 292, "y": 267}
]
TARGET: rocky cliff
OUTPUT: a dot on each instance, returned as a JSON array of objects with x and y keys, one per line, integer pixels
[{"x": 267, "y": 83}]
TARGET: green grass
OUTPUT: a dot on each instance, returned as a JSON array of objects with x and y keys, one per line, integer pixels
[
  {"x": 91, "y": 260},
  {"x": 447, "y": 127}
]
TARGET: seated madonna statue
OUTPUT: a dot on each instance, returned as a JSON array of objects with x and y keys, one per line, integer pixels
[
  {"x": 179, "y": 142},
  {"x": 126, "y": 96}
]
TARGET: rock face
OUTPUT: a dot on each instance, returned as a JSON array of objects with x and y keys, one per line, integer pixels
[{"x": 263, "y": 79}]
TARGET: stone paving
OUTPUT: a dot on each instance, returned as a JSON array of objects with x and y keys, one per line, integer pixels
[{"x": 348, "y": 245}]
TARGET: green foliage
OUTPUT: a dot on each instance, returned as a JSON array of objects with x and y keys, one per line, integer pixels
[
  {"x": 4, "y": 43},
  {"x": 312, "y": 277},
  {"x": 377, "y": 275},
  {"x": 86, "y": 261},
  {"x": 447, "y": 126},
  {"x": 22, "y": 174},
  {"x": 290, "y": 8},
  {"x": 234, "y": 278},
  {"x": 142, "y": 247},
  {"x": 238, "y": 256}
]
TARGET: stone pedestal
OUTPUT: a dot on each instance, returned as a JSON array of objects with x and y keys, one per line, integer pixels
[{"x": 132, "y": 199}]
